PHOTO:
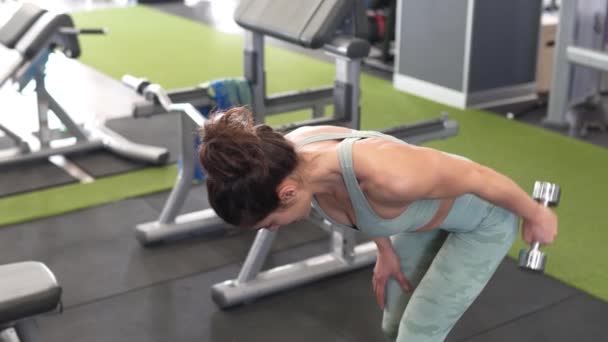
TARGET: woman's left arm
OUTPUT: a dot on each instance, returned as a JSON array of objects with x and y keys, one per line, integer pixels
[
  {"x": 452, "y": 176},
  {"x": 428, "y": 173}
]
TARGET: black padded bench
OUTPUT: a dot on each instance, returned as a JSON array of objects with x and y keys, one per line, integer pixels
[
  {"x": 311, "y": 24},
  {"x": 19, "y": 23},
  {"x": 27, "y": 289},
  {"x": 26, "y": 35}
]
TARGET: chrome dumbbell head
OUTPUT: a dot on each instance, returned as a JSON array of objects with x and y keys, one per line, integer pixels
[
  {"x": 546, "y": 193},
  {"x": 532, "y": 259}
]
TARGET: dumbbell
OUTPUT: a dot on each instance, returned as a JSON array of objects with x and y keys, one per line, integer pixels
[{"x": 533, "y": 258}]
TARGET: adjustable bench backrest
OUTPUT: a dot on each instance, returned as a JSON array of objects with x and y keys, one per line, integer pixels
[
  {"x": 46, "y": 34},
  {"x": 33, "y": 32},
  {"x": 309, "y": 23},
  {"x": 12, "y": 31}
]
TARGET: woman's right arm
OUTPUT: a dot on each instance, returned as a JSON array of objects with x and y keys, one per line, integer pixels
[{"x": 387, "y": 266}]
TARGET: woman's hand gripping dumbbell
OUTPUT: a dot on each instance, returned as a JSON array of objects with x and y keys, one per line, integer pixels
[{"x": 533, "y": 258}]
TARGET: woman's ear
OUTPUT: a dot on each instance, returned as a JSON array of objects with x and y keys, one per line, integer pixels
[{"x": 287, "y": 194}]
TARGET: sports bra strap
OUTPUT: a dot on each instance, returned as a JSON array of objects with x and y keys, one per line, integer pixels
[{"x": 337, "y": 136}]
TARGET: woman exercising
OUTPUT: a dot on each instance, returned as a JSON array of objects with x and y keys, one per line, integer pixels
[{"x": 443, "y": 221}]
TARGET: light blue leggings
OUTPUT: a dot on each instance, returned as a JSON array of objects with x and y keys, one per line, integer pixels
[{"x": 448, "y": 268}]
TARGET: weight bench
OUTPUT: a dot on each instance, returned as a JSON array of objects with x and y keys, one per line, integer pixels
[
  {"x": 26, "y": 41},
  {"x": 27, "y": 289},
  {"x": 318, "y": 33},
  {"x": 310, "y": 24}
]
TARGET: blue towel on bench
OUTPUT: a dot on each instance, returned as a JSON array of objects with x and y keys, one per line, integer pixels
[{"x": 230, "y": 92}]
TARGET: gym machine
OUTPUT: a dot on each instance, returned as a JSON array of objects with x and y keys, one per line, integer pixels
[
  {"x": 313, "y": 32},
  {"x": 26, "y": 41}
]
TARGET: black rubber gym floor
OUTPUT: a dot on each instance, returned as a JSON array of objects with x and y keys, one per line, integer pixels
[
  {"x": 29, "y": 176},
  {"x": 116, "y": 290}
]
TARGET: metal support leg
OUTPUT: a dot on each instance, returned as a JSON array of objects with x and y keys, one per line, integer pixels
[
  {"x": 347, "y": 91},
  {"x": 185, "y": 175},
  {"x": 9, "y": 335},
  {"x": 20, "y": 145},
  {"x": 169, "y": 225},
  {"x": 121, "y": 146},
  {"x": 318, "y": 111},
  {"x": 42, "y": 96},
  {"x": 343, "y": 244},
  {"x": 256, "y": 256},
  {"x": 252, "y": 284},
  {"x": 562, "y": 68},
  {"x": 75, "y": 130},
  {"x": 255, "y": 73},
  {"x": 28, "y": 331}
]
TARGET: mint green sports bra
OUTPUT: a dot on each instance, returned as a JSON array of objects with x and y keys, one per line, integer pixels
[{"x": 417, "y": 214}]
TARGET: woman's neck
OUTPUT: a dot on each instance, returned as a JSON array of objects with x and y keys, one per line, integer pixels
[{"x": 319, "y": 174}]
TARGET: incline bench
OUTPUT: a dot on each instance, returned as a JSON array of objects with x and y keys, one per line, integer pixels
[{"x": 26, "y": 41}]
